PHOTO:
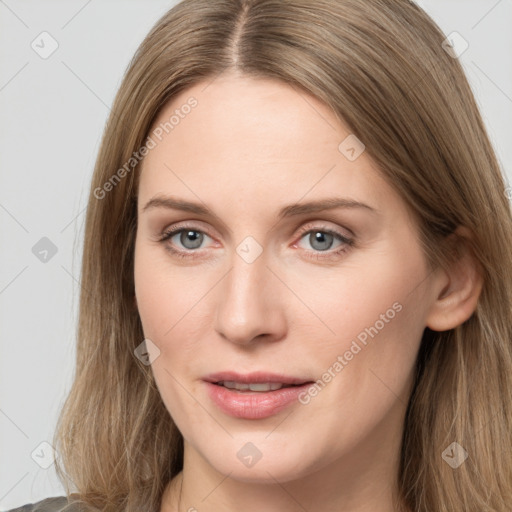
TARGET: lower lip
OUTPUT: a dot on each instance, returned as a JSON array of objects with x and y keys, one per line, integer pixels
[{"x": 254, "y": 405}]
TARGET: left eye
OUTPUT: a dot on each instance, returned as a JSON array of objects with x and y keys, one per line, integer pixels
[{"x": 323, "y": 239}]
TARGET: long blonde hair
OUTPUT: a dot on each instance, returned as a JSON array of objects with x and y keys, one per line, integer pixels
[{"x": 381, "y": 67}]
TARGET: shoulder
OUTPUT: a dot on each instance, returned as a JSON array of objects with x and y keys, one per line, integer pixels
[{"x": 56, "y": 504}]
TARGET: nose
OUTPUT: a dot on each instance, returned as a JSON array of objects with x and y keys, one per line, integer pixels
[{"x": 249, "y": 304}]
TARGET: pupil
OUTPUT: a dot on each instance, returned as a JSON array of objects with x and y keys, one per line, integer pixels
[
  {"x": 191, "y": 236},
  {"x": 319, "y": 236}
]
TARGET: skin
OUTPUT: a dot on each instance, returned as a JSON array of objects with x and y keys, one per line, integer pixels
[{"x": 250, "y": 147}]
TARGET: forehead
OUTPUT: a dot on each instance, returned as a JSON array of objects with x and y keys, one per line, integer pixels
[{"x": 247, "y": 139}]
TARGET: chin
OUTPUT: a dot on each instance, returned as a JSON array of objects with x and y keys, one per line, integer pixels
[{"x": 267, "y": 470}]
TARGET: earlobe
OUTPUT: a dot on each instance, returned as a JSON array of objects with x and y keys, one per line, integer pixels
[{"x": 457, "y": 299}]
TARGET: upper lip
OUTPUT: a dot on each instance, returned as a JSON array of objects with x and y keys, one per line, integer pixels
[{"x": 254, "y": 378}]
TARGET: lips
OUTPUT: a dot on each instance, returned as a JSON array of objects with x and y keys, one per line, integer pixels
[{"x": 254, "y": 395}]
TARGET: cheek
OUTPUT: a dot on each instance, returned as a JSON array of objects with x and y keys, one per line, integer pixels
[
  {"x": 377, "y": 324},
  {"x": 366, "y": 345},
  {"x": 369, "y": 297},
  {"x": 167, "y": 293},
  {"x": 365, "y": 365}
]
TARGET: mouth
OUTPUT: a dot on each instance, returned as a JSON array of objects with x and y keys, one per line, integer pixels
[
  {"x": 255, "y": 381},
  {"x": 256, "y": 395},
  {"x": 263, "y": 387}
]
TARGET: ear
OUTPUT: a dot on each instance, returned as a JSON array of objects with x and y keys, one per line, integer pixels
[{"x": 458, "y": 288}]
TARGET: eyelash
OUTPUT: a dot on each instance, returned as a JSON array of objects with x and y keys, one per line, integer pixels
[{"x": 305, "y": 230}]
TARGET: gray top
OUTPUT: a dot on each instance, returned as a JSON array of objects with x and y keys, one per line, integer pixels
[{"x": 56, "y": 504}]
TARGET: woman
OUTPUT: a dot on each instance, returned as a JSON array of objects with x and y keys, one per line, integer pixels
[{"x": 296, "y": 287}]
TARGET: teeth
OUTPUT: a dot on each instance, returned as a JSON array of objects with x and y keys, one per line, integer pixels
[
  {"x": 234, "y": 385},
  {"x": 260, "y": 386}
]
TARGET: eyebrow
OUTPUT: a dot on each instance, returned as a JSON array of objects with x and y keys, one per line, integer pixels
[{"x": 291, "y": 210}]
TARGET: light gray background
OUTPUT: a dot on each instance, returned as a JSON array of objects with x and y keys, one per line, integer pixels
[{"x": 52, "y": 117}]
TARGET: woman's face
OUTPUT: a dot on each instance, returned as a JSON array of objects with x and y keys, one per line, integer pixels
[{"x": 260, "y": 281}]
